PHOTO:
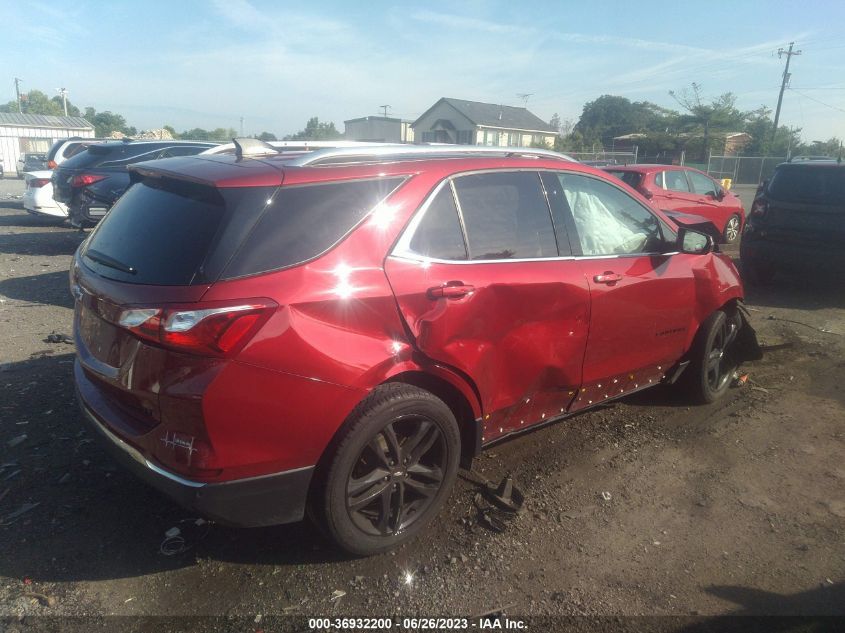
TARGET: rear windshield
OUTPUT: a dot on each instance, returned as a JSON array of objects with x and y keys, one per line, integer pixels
[
  {"x": 805, "y": 183},
  {"x": 173, "y": 233},
  {"x": 630, "y": 178}
]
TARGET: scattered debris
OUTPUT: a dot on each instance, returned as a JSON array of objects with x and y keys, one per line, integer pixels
[
  {"x": 16, "y": 440},
  {"x": 506, "y": 496},
  {"x": 176, "y": 543},
  {"x": 739, "y": 381},
  {"x": 64, "y": 478},
  {"x": 12, "y": 475},
  {"x": 21, "y": 511},
  {"x": 56, "y": 337},
  {"x": 337, "y": 595},
  {"x": 43, "y": 599},
  {"x": 128, "y": 600},
  {"x": 606, "y": 496}
]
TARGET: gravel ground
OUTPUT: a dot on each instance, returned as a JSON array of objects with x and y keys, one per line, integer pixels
[{"x": 646, "y": 507}]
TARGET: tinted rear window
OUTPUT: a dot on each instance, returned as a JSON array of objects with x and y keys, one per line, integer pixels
[
  {"x": 630, "y": 178},
  {"x": 121, "y": 154},
  {"x": 162, "y": 233},
  {"x": 804, "y": 183},
  {"x": 305, "y": 221}
]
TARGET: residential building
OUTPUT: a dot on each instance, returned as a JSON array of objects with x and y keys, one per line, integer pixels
[{"x": 473, "y": 123}]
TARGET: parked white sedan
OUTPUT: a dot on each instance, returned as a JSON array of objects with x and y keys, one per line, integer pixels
[{"x": 38, "y": 197}]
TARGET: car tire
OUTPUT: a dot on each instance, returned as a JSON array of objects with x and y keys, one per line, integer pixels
[
  {"x": 709, "y": 374},
  {"x": 391, "y": 471},
  {"x": 732, "y": 229}
]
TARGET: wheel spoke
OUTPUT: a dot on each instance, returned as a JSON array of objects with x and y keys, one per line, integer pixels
[
  {"x": 424, "y": 480},
  {"x": 380, "y": 450},
  {"x": 393, "y": 447},
  {"x": 421, "y": 442},
  {"x": 384, "y": 514},
  {"x": 366, "y": 494},
  {"x": 398, "y": 507}
]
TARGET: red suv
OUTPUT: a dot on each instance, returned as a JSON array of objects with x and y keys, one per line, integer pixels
[
  {"x": 262, "y": 334},
  {"x": 686, "y": 190}
]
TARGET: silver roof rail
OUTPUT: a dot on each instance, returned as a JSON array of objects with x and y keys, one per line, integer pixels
[{"x": 340, "y": 155}]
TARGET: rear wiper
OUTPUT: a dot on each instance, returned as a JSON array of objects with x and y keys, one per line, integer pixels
[{"x": 111, "y": 262}]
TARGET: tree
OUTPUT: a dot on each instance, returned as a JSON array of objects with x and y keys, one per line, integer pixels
[
  {"x": 720, "y": 115},
  {"x": 610, "y": 116},
  {"x": 106, "y": 123},
  {"x": 315, "y": 131},
  {"x": 172, "y": 131},
  {"x": 266, "y": 137},
  {"x": 220, "y": 134},
  {"x": 36, "y": 102}
]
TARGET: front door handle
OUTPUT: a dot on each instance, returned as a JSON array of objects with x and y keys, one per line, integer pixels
[
  {"x": 607, "y": 277},
  {"x": 452, "y": 290}
]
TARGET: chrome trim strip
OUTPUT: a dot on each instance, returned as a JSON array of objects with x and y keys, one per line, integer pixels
[
  {"x": 173, "y": 476},
  {"x": 136, "y": 456},
  {"x": 386, "y": 152}
]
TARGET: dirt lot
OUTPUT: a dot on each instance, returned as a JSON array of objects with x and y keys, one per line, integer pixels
[{"x": 737, "y": 507}]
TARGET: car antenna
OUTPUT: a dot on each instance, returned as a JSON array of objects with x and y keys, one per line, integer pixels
[{"x": 252, "y": 147}]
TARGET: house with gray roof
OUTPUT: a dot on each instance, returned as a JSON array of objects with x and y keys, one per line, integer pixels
[
  {"x": 473, "y": 123},
  {"x": 35, "y": 133}
]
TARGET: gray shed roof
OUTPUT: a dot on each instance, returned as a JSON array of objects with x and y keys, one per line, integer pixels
[
  {"x": 493, "y": 115},
  {"x": 43, "y": 120}
]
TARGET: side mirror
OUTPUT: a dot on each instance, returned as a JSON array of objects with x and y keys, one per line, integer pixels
[
  {"x": 720, "y": 194},
  {"x": 694, "y": 242}
]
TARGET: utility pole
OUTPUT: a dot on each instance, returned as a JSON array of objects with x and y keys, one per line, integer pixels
[
  {"x": 242, "y": 126},
  {"x": 783, "y": 83},
  {"x": 63, "y": 92},
  {"x": 384, "y": 109},
  {"x": 18, "y": 92}
]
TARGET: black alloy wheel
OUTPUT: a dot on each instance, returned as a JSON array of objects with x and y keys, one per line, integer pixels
[
  {"x": 393, "y": 466},
  {"x": 397, "y": 476}
]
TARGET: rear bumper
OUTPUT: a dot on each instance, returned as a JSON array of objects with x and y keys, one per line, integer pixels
[
  {"x": 785, "y": 256},
  {"x": 257, "y": 501}
]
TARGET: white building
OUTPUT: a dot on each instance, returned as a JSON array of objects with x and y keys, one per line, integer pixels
[
  {"x": 379, "y": 129},
  {"x": 34, "y": 134},
  {"x": 474, "y": 123}
]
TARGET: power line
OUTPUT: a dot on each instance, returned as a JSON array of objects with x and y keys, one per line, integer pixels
[
  {"x": 783, "y": 83},
  {"x": 817, "y": 100}
]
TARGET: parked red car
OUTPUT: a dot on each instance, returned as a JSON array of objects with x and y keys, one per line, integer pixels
[
  {"x": 686, "y": 190},
  {"x": 262, "y": 334}
]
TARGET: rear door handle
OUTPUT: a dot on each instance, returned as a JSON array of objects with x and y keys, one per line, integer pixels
[
  {"x": 607, "y": 277},
  {"x": 452, "y": 290}
]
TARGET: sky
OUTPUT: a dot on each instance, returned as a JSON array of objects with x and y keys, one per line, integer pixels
[{"x": 207, "y": 63}]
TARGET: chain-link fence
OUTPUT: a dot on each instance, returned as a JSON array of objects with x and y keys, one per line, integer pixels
[
  {"x": 609, "y": 158},
  {"x": 743, "y": 170}
]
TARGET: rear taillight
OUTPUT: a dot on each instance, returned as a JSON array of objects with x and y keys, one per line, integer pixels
[
  {"x": 206, "y": 329},
  {"x": 51, "y": 164},
  {"x": 83, "y": 180},
  {"x": 759, "y": 208},
  {"x": 37, "y": 183}
]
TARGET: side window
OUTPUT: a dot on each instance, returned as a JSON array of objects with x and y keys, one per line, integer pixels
[
  {"x": 506, "y": 216},
  {"x": 304, "y": 221},
  {"x": 675, "y": 180},
  {"x": 439, "y": 234},
  {"x": 659, "y": 181},
  {"x": 701, "y": 184},
  {"x": 608, "y": 220}
]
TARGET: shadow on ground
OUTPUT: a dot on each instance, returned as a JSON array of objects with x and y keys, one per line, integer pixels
[
  {"x": 46, "y": 288},
  {"x": 94, "y": 521}
]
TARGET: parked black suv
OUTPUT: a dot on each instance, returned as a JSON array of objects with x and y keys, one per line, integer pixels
[
  {"x": 90, "y": 182},
  {"x": 797, "y": 221}
]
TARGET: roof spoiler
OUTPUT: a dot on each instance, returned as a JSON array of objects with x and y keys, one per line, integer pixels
[{"x": 252, "y": 147}]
